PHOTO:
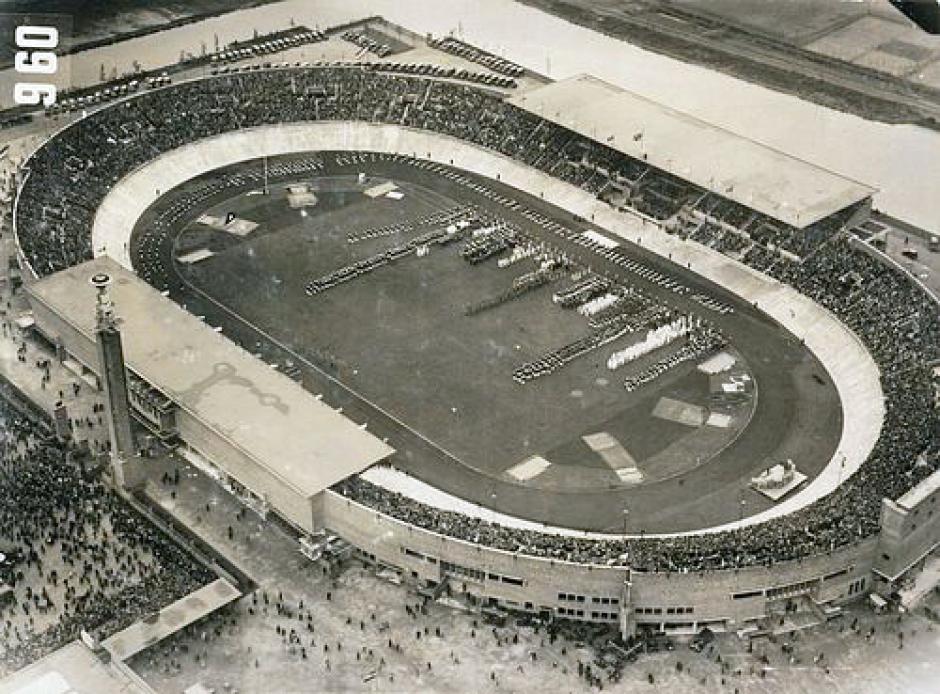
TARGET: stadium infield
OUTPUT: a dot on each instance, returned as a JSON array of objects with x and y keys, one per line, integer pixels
[{"x": 394, "y": 350}]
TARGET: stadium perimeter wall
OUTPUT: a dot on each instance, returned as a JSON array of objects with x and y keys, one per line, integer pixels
[
  {"x": 721, "y": 600},
  {"x": 842, "y": 354}
]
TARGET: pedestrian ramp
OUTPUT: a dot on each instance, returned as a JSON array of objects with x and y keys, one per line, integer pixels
[{"x": 151, "y": 630}]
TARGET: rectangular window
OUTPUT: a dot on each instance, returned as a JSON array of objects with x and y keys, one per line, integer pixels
[
  {"x": 748, "y": 594},
  {"x": 512, "y": 581}
]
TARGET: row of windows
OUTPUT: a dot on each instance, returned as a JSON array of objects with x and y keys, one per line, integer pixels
[
  {"x": 791, "y": 588},
  {"x": 570, "y": 612},
  {"x": 571, "y": 597},
  {"x": 857, "y": 586},
  {"x": 365, "y": 555},
  {"x": 604, "y": 615},
  {"x": 794, "y": 587},
  {"x": 418, "y": 555},
  {"x": 463, "y": 571},
  {"x": 669, "y": 610},
  {"x": 606, "y": 601}
]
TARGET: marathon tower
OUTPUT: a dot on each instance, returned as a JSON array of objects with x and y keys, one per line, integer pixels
[{"x": 126, "y": 467}]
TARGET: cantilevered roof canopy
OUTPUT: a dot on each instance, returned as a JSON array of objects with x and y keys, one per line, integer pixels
[
  {"x": 279, "y": 425},
  {"x": 785, "y": 188}
]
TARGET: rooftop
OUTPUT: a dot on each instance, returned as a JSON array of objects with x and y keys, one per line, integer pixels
[
  {"x": 790, "y": 190},
  {"x": 73, "y": 669},
  {"x": 920, "y": 492},
  {"x": 265, "y": 414}
]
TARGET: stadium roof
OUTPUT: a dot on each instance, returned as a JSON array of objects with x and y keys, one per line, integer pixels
[
  {"x": 73, "y": 669},
  {"x": 778, "y": 185},
  {"x": 920, "y": 492},
  {"x": 262, "y": 412}
]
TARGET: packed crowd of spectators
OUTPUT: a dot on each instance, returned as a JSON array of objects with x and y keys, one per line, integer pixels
[
  {"x": 78, "y": 557},
  {"x": 900, "y": 325},
  {"x": 84, "y": 161}
]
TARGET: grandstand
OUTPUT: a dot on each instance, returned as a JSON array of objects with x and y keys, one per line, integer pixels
[{"x": 786, "y": 189}]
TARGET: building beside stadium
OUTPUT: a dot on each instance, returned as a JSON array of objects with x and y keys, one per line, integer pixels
[{"x": 259, "y": 428}]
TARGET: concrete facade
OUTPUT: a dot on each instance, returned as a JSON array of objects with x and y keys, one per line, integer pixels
[
  {"x": 228, "y": 460},
  {"x": 910, "y": 529},
  {"x": 252, "y": 424},
  {"x": 674, "y": 602}
]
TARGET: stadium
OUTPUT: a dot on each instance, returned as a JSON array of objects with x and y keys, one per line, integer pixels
[{"x": 568, "y": 364}]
